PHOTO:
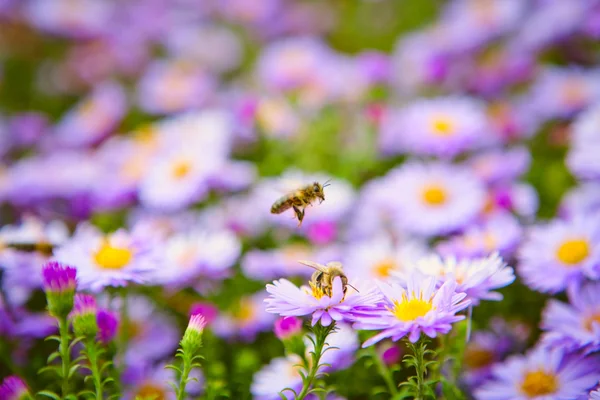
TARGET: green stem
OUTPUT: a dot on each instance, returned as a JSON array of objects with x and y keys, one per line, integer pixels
[
  {"x": 63, "y": 328},
  {"x": 384, "y": 371},
  {"x": 321, "y": 333},
  {"x": 92, "y": 353},
  {"x": 187, "y": 368},
  {"x": 419, "y": 352}
]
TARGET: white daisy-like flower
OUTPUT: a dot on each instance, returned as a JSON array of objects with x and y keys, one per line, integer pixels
[
  {"x": 436, "y": 198},
  {"x": 379, "y": 259},
  {"x": 476, "y": 277}
]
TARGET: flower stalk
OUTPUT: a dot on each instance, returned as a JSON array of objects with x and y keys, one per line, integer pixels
[
  {"x": 320, "y": 341},
  {"x": 63, "y": 329},
  {"x": 189, "y": 352}
]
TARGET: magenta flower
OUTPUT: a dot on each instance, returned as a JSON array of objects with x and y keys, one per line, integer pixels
[
  {"x": 13, "y": 388},
  {"x": 107, "y": 325},
  {"x": 208, "y": 310},
  {"x": 418, "y": 308},
  {"x": 286, "y": 327},
  {"x": 286, "y": 299},
  {"x": 59, "y": 282},
  {"x": 83, "y": 316},
  {"x": 59, "y": 278}
]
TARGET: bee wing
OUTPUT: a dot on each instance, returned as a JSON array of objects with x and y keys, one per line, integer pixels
[
  {"x": 317, "y": 266},
  {"x": 289, "y": 184},
  {"x": 335, "y": 264}
]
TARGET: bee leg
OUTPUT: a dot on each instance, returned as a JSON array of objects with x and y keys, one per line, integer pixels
[{"x": 299, "y": 214}]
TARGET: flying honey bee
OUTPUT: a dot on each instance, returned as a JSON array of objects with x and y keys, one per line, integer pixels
[
  {"x": 41, "y": 247},
  {"x": 300, "y": 199},
  {"x": 324, "y": 275}
]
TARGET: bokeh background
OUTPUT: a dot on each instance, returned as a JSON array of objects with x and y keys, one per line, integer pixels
[{"x": 178, "y": 123}]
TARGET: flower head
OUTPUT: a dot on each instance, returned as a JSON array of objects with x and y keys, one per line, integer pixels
[
  {"x": 13, "y": 388},
  {"x": 59, "y": 282},
  {"x": 192, "y": 338},
  {"x": 576, "y": 325},
  {"x": 560, "y": 253},
  {"x": 541, "y": 374},
  {"x": 286, "y": 327},
  {"x": 107, "y": 325},
  {"x": 84, "y": 316},
  {"x": 474, "y": 277},
  {"x": 437, "y": 198},
  {"x": 286, "y": 299},
  {"x": 418, "y": 308},
  {"x": 116, "y": 259}
]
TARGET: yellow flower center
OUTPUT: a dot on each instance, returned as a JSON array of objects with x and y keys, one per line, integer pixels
[
  {"x": 573, "y": 251},
  {"x": 588, "y": 323},
  {"x": 539, "y": 383},
  {"x": 110, "y": 257},
  {"x": 150, "y": 391},
  {"x": 317, "y": 292},
  {"x": 409, "y": 310},
  {"x": 476, "y": 357},
  {"x": 434, "y": 195},
  {"x": 442, "y": 126},
  {"x": 245, "y": 312},
  {"x": 181, "y": 169},
  {"x": 384, "y": 268}
]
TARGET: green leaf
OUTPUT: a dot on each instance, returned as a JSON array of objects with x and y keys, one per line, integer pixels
[
  {"x": 50, "y": 394},
  {"x": 73, "y": 369},
  {"x": 50, "y": 368},
  {"x": 174, "y": 368},
  {"x": 53, "y": 356}
]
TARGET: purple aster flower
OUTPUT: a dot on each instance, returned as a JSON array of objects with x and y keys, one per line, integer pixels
[
  {"x": 437, "y": 198},
  {"x": 286, "y": 299},
  {"x": 498, "y": 166},
  {"x": 477, "y": 278},
  {"x": 560, "y": 253},
  {"x": 585, "y": 143},
  {"x": 489, "y": 347},
  {"x": 380, "y": 258},
  {"x": 221, "y": 50},
  {"x": 583, "y": 199},
  {"x": 59, "y": 282},
  {"x": 343, "y": 343},
  {"x": 13, "y": 388},
  {"x": 170, "y": 86},
  {"x": 116, "y": 259},
  {"x": 245, "y": 320},
  {"x": 152, "y": 334},
  {"x": 144, "y": 381},
  {"x": 501, "y": 233},
  {"x": 93, "y": 118},
  {"x": 575, "y": 325},
  {"x": 28, "y": 127},
  {"x": 107, "y": 325},
  {"x": 292, "y": 63},
  {"x": 559, "y": 93},
  {"x": 280, "y": 373},
  {"x": 443, "y": 127},
  {"x": 81, "y": 19},
  {"x": 198, "y": 253},
  {"x": 283, "y": 262},
  {"x": 286, "y": 327},
  {"x": 418, "y": 308},
  {"x": 541, "y": 374}
]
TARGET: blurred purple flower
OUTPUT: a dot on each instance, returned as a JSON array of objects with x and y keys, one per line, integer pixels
[
  {"x": 13, "y": 388},
  {"x": 419, "y": 308},
  {"x": 541, "y": 373},
  {"x": 286, "y": 327},
  {"x": 107, "y": 325}
]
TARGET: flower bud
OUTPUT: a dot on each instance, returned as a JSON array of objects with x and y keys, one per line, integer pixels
[
  {"x": 59, "y": 282},
  {"x": 83, "y": 316},
  {"x": 286, "y": 327},
  {"x": 107, "y": 325},
  {"x": 192, "y": 338},
  {"x": 13, "y": 388}
]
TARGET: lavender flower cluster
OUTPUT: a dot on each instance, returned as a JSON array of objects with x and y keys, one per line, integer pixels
[{"x": 143, "y": 143}]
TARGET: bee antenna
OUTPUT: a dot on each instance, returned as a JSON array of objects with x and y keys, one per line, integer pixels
[
  {"x": 347, "y": 284},
  {"x": 327, "y": 183}
]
